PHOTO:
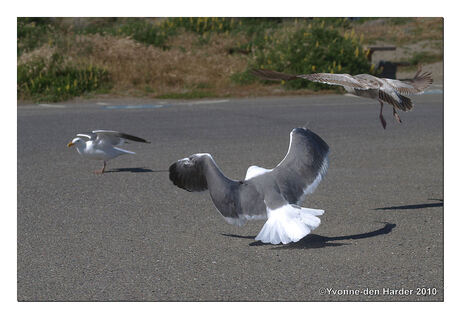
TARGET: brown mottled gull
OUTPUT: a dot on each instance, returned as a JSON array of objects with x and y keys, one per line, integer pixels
[{"x": 364, "y": 85}]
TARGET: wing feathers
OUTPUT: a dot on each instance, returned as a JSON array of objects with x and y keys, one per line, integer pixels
[
  {"x": 326, "y": 78},
  {"x": 417, "y": 85},
  {"x": 335, "y": 79},
  {"x": 304, "y": 166},
  {"x": 114, "y": 133},
  {"x": 273, "y": 75},
  {"x": 188, "y": 174}
]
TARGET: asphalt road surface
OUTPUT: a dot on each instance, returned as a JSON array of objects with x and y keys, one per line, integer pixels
[{"x": 131, "y": 235}]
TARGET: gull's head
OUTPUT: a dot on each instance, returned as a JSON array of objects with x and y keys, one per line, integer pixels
[{"x": 77, "y": 142}]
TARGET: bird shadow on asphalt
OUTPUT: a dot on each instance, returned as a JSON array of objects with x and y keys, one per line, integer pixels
[
  {"x": 134, "y": 170},
  {"x": 415, "y": 206},
  {"x": 319, "y": 241}
]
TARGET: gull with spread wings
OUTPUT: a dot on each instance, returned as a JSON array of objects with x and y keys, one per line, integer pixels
[
  {"x": 272, "y": 194},
  {"x": 102, "y": 145},
  {"x": 391, "y": 91}
]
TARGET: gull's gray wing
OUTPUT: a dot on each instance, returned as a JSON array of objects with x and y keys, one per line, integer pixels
[
  {"x": 325, "y": 78},
  {"x": 188, "y": 173},
  {"x": 237, "y": 201},
  {"x": 338, "y": 79},
  {"x": 115, "y": 138},
  {"x": 303, "y": 167}
]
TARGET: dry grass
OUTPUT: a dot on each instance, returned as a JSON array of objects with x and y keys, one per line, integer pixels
[
  {"x": 45, "y": 52},
  {"x": 184, "y": 67},
  {"x": 415, "y": 30}
]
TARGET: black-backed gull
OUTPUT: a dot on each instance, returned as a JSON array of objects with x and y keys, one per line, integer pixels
[{"x": 272, "y": 194}]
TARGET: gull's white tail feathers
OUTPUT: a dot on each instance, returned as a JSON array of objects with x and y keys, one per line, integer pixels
[{"x": 289, "y": 223}]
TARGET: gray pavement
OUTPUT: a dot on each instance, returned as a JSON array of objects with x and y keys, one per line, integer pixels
[{"x": 132, "y": 235}]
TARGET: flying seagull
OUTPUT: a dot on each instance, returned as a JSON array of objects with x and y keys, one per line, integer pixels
[
  {"x": 272, "y": 194},
  {"x": 102, "y": 145},
  {"x": 364, "y": 85}
]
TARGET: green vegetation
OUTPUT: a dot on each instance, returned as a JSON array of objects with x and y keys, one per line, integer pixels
[
  {"x": 312, "y": 49},
  {"x": 55, "y": 81},
  {"x": 52, "y": 78},
  {"x": 33, "y": 33}
]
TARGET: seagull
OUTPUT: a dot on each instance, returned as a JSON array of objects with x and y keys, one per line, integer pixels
[
  {"x": 272, "y": 194},
  {"x": 386, "y": 90},
  {"x": 102, "y": 145}
]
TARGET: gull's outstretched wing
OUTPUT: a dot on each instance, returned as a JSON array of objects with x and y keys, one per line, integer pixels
[
  {"x": 303, "y": 167},
  {"x": 188, "y": 173},
  {"x": 413, "y": 86},
  {"x": 115, "y": 138},
  {"x": 325, "y": 78},
  {"x": 337, "y": 79}
]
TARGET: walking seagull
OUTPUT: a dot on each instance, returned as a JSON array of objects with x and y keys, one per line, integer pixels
[
  {"x": 102, "y": 145},
  {"x": 273, "y": 194},
  {"x": 364, "y": 85}
]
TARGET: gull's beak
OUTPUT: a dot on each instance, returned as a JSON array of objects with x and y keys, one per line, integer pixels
[{"x": 70, "y": 144}]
